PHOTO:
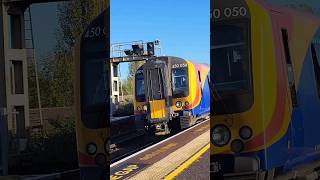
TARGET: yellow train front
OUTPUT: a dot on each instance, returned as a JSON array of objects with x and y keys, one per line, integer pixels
[
  {"x": 265, "y": 92},
  {"x": 92, "y": 99},
  {"x": 171, "y": 94}
]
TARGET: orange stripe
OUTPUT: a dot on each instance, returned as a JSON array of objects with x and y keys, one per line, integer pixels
[
  {"x": 196, "y": 99},
  {"x": 275, "y": 125},
  {"x": 85, "y": 159}
]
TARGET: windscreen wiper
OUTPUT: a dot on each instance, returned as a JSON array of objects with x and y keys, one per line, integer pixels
[{"x": 217, "y": 97}]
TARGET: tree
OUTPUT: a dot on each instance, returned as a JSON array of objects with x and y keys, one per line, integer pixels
[
  {"x": 129, "y": 85},
  {"x": 74, "y": 17},
  {"x": 56, "y": 73}
]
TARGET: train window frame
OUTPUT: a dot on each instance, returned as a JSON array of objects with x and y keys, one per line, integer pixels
[
  {"x": 161, "y": 83},
  {"x": 139, "y": 97},
  {"x": 289, "y": 67},
  {"x": 200, "y": 82},
  {"x": 250, "y": 75},
  {"x": 93, "y": 110},
  {"x": 92, "y": 51},
  {"x": 228, "y": 98},
  {"x": 152, "y": 93},
  {"x": 186, "y": 92},
  {"x": 316, "y": 67}
]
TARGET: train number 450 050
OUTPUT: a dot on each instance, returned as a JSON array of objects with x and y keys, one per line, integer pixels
[{"x": 229, "y": 12}]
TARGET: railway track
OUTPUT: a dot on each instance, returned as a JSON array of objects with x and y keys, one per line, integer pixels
[
  {"x": 122, "y": 151},
  {"x": 117, "y": 159}
]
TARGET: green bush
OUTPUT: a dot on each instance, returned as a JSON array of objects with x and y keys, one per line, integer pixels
[
  {"x": 126, "y": 109},
  {"x": 56, "y": 149}
]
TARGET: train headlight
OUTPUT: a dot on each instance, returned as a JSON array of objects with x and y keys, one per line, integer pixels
[
  {"x": 101, "y": 159},
  {"x": 245, "y": 132},
  {"x": 237, "y": 146},
  {"x": 186, "y": 104},
  {"x": 145, "y": 108},
  {"x": 92, "y": 148},
  {"x": 179, "y": 104},
  {"x": 220, "y": 135}
]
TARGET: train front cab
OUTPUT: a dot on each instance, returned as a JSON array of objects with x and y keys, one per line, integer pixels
[
  {"x": 153, "y": 80},
  {"x": 92, "y": 100},
  {"x": 257, "y": 55},
  {"x": 172, "y": 93}
]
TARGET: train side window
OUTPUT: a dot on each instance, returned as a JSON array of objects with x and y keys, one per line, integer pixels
[
  {"x": 208, "y": 81},
  {"x": 290, "y": 72},
  {"x": 199, "y": 76},
  {"x": 316, "y": 67}
]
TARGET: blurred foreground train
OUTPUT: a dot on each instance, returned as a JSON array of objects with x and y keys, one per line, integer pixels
[
  {"x": 266, "y": 89},
  {"x": 171, "y": 94},
  {"x": 91, "y": 89}
]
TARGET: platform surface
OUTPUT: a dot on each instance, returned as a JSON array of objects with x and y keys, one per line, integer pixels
[
  {"x": 182, "y": 156},
  {"x": 199, "y": 169}
]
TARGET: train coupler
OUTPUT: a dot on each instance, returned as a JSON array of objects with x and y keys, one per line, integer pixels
[{"x": 162, "y": 129}]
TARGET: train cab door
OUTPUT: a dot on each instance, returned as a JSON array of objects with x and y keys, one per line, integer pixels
[
  {"x": 282, "y": 34},
  {"x": 158, "y": 94}
]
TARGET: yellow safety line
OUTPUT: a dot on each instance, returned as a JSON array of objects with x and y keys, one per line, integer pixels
[{"x": 186, "y": 164}]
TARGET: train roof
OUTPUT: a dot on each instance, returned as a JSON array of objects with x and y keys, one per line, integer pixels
[
  {"x": 177, "y": 60},
  {"x": 302, "y": 29},
  {"x": 289, "y": 11},
  {"x": 181, "y": 59}
]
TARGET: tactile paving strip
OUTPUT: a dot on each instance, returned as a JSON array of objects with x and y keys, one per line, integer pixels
[{"x": 168, "y": 164}]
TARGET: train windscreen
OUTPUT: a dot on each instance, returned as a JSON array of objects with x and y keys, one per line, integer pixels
[
  {"x": 231, "y": 59},
  {"x": 94, "y": 95},
  {"x": 180, "y": 82},
  {"x": 94, "y": 79},
  {"x": 139, "y": 88}
]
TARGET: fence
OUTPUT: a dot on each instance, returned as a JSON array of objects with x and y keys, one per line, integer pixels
[{"x": 50, "y": 114}]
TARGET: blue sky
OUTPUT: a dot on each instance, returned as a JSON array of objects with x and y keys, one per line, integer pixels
[{"x": 183, "y": 26}]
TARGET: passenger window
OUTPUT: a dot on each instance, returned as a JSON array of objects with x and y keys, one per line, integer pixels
[
  {"x": 290, "y": 72},
  {"x": 199, "y": 75},
  {"x": 316, "y": 67}
]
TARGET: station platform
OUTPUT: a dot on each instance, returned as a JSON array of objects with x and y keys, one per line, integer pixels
[{"x": 182, "y": 156}]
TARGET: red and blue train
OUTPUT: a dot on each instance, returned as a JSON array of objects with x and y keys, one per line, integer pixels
[
  {"x": 266, "y": 89},
  {"x": 171, "y": 93}
]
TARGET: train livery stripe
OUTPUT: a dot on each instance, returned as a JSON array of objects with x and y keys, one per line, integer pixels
[
  {"x": 197, "y": 102},
  {"x": 194, "y": 82},
  {"x": 85, "y": 159},
  {"x": 277, "y": 120},
  {"x": 279, "y": 124},
  {"x": 194, "y": 85}
]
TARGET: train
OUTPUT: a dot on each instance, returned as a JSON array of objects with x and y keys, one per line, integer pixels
[
  {"x": 265, "y": 89},
  {"x": 170, "y": 94},
  {"x": 92, "y": 98}
]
